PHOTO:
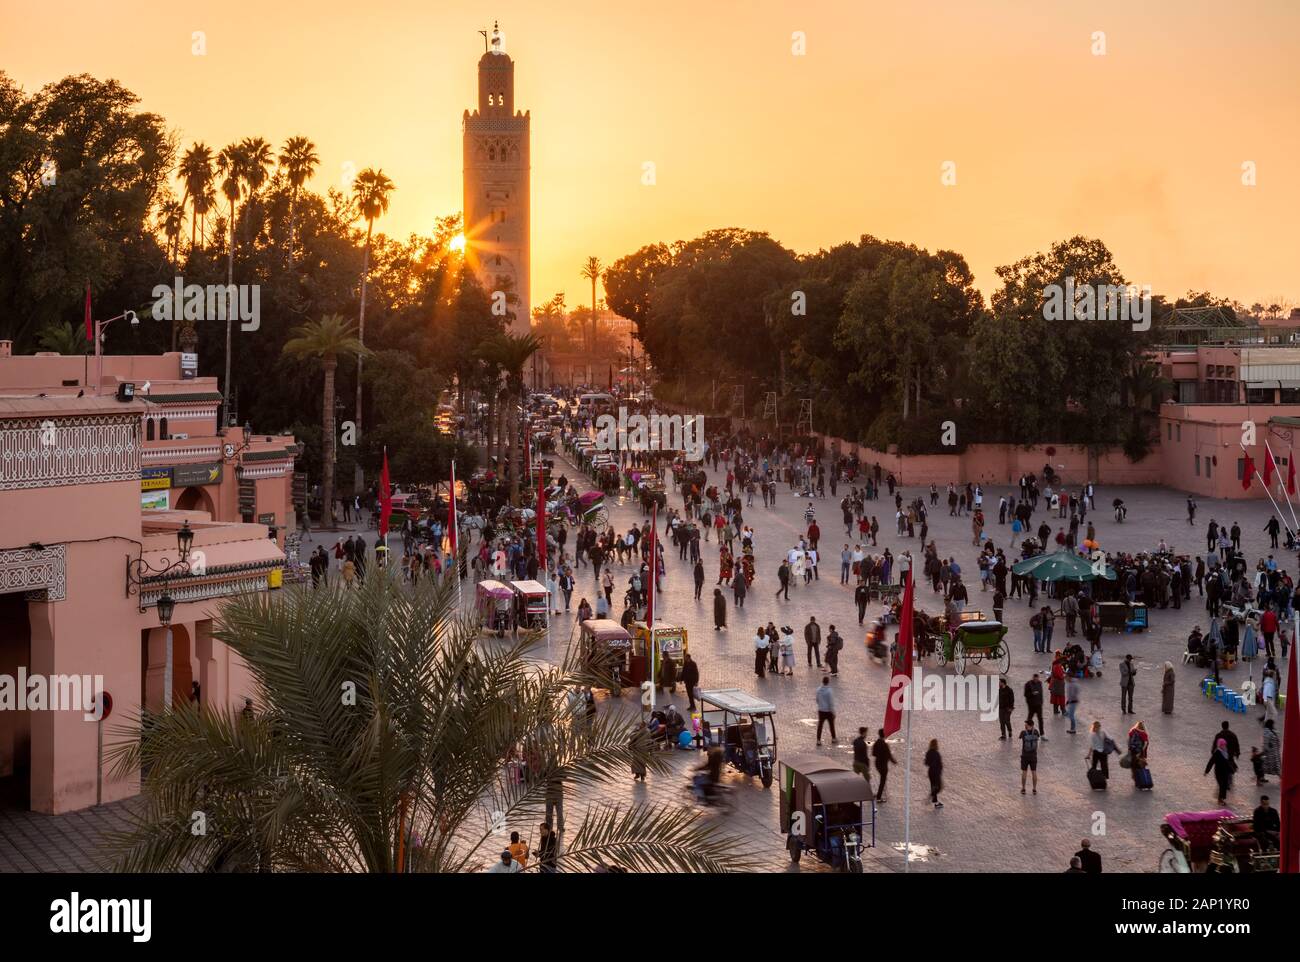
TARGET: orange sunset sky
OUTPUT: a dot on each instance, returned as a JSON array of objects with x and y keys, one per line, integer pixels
[{"x": 1141, "y": 147}]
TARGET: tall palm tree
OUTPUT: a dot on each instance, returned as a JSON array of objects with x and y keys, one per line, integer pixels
[
  {"x": 326, "y": 340},
  {"x": 196, "y": 173},
  {"x": 299, "y": 160},
  {"x": 258, "y": 158},
  {"x": 231, "y": 166},
  {"x": 370, "y": 191},
  {"x": 171, "y": 219},
  {"x": 512, "y": 353},
  {"x": 410, "y": 775},
  {"x": 592, "y": 270}
]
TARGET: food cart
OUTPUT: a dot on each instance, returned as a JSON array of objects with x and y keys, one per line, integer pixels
[
  {"x": 604, "y": 646},
  {"x": 532, "y": 604},
  {"x": 669, "y": 640},
  {"x": 494, "y": 603}
]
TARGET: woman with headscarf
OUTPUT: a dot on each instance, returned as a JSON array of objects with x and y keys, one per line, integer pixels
[
  {"x": 1223, "y": 766},
  {"x": 719, "y": 610},
  {"x": 1056, "y": 685},
  {"x": 1167, "y": 689},
  {"x": 1272, "y": 750},
  {"x": 1138, "y": 743}
]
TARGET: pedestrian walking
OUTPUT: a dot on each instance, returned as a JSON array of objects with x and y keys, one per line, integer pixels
[
  {"x": 934, "y": 767},
  {"x": 861, "y": 758},
  {"x": 1223, "y": 766},
  {"x": 719, "y": 610},
  {"x": 1071, "y": 701},
  {"x": 1034, "y": 701},
  {"x": 1127, "y": 682},
  {"x": 1167, "y": 689},
  {"x": 760, "y": 652},
  {"x": 833, "y": 645},
  {"x": 812, "y": 637},
  {"x": 826, "y": 709},
  {"x": 1029, "y": 739},
  {"x": 1006, "y": 705},
  {"x": 883, "y": 758}
]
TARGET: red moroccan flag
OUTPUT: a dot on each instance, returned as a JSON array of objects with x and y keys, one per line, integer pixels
[
  {"x": 541, "y": 522},
  {"x": 1247, "y": 473},
  {"x": 1269, "y": 465},
  {"x": 1290, "y": 472},
  {"x": 90, "y": 325},
  {"x": 385, "y": 498},
  {"x": 1290, "y": 804},
  {"x": 901, "y": 680},
  {"x": 451, "y": 521}
]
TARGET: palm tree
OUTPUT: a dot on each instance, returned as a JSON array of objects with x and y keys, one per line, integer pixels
[
  {"x": 327, "y": 340},
  {"x": 231, "y": 165},
  {"x": 299, "y": 160},
  {"x": 592, "y": 270},
  {"x": 63, "y": 339},
  {"x": 370, "y": 191},
  {"x": 512, "y": 353},
  {"x": 407, "y": 772},
  {"x": 196, "y": 172},
  {"x": 171, "y": 218},
  {"x": 258, "y": 157}
]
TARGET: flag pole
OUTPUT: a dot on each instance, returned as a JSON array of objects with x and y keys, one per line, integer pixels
[
  {"x": 907, "y": 784},
  {"x": 1277, "y": 511},
  {"x": 1282, "y": 488}
]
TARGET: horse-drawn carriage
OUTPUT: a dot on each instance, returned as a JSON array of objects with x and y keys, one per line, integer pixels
[
  {"x": 1215, "y": 841},
  {"x": 974, "y": 641}
]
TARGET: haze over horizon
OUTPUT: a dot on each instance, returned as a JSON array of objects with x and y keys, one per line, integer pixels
[{"x": 1142, "y": 147}]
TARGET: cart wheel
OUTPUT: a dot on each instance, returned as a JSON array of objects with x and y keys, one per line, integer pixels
[
  {"x": 941, "y": 653},
  {"x": 959, "y": 657},
  {"x": 795, "y": 849},
  {"x": 1004, "y": 663},
  {"x": 765, "y": 773}
]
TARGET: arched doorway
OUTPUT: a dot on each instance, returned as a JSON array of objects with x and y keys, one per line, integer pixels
[{"x": 195, "y": 499}]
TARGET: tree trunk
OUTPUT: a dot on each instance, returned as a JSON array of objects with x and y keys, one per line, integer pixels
[
  {"x": 230, "y": 282},
  {"x": 327, "y": 446},
  {"x": 293, "y": 199},
  {"x": 516, "y": 458},
  {"x": 359, "y": 478},
  {"x": 907, "y": 395}
]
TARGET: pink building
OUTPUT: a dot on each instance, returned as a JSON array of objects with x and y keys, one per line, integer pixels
[{"x": 95, "y": 492}]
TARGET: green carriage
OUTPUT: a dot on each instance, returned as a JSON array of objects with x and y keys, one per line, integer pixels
[{"x": 973, "y": 641}]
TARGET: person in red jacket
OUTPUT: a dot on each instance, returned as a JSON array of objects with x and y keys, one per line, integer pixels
[
  {"x": 1268, "y": 627},
  {"x": 814, "y": 533}
]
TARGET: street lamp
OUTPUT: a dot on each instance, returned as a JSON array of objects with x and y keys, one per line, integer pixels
[
  {"x": 184, "y": 538},
  {"x": 166, "y": 606},
  {"x": 100, "y": 327}
]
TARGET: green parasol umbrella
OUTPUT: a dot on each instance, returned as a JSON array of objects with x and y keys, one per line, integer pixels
[{"x": 1060, "y": 566}]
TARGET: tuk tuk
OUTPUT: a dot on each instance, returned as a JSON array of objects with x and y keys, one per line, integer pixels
[
  {"x": 532, "y": 604},
  {"x": 744, "y": 727},
  {"x": 493, "y": 602},
  {"x": 669, "y": 640},
  {"x": 822, "y": 812},
  {"x": 605, "y": 646}
]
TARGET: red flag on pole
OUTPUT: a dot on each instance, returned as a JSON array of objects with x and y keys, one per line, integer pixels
[
  {"x": 451, "y": 520},
  {"x": 1269, "y": 465},
  {"x": 1290, "y": 803},
  {"x": 1247, "y": 473},
  {"x": 901, "y": 680},
  {"x": 1290, "y": 472},
  {"x": 541, "y": 522},
  {"x": 90, "y": 325},
  {"x": 385, "y": 498}
]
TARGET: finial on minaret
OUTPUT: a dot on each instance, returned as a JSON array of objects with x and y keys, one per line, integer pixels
[{"x": 496, "y": 37}]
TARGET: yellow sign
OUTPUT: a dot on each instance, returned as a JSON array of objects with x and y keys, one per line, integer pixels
[{"x": 155, "y": 484}]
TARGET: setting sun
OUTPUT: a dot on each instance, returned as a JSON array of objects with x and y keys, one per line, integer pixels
[{"x": 458, "y": 242}]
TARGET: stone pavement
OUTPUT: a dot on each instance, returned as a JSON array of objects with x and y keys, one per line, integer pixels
[{"x": 986, "y": 825}]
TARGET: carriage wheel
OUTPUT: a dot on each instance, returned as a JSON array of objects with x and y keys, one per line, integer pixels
[
  {"x": 942, "y": 652},
  {"x": 765, "y": 773},
  {"x": 959, "y": 657},
  {"x": 1004, "y": 661},
  {"x": 795, "y": 849},
  {"x": 601, "y": 518}
]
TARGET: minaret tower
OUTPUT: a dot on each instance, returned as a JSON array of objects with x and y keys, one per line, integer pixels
[{"x": 496, "y": 175}]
